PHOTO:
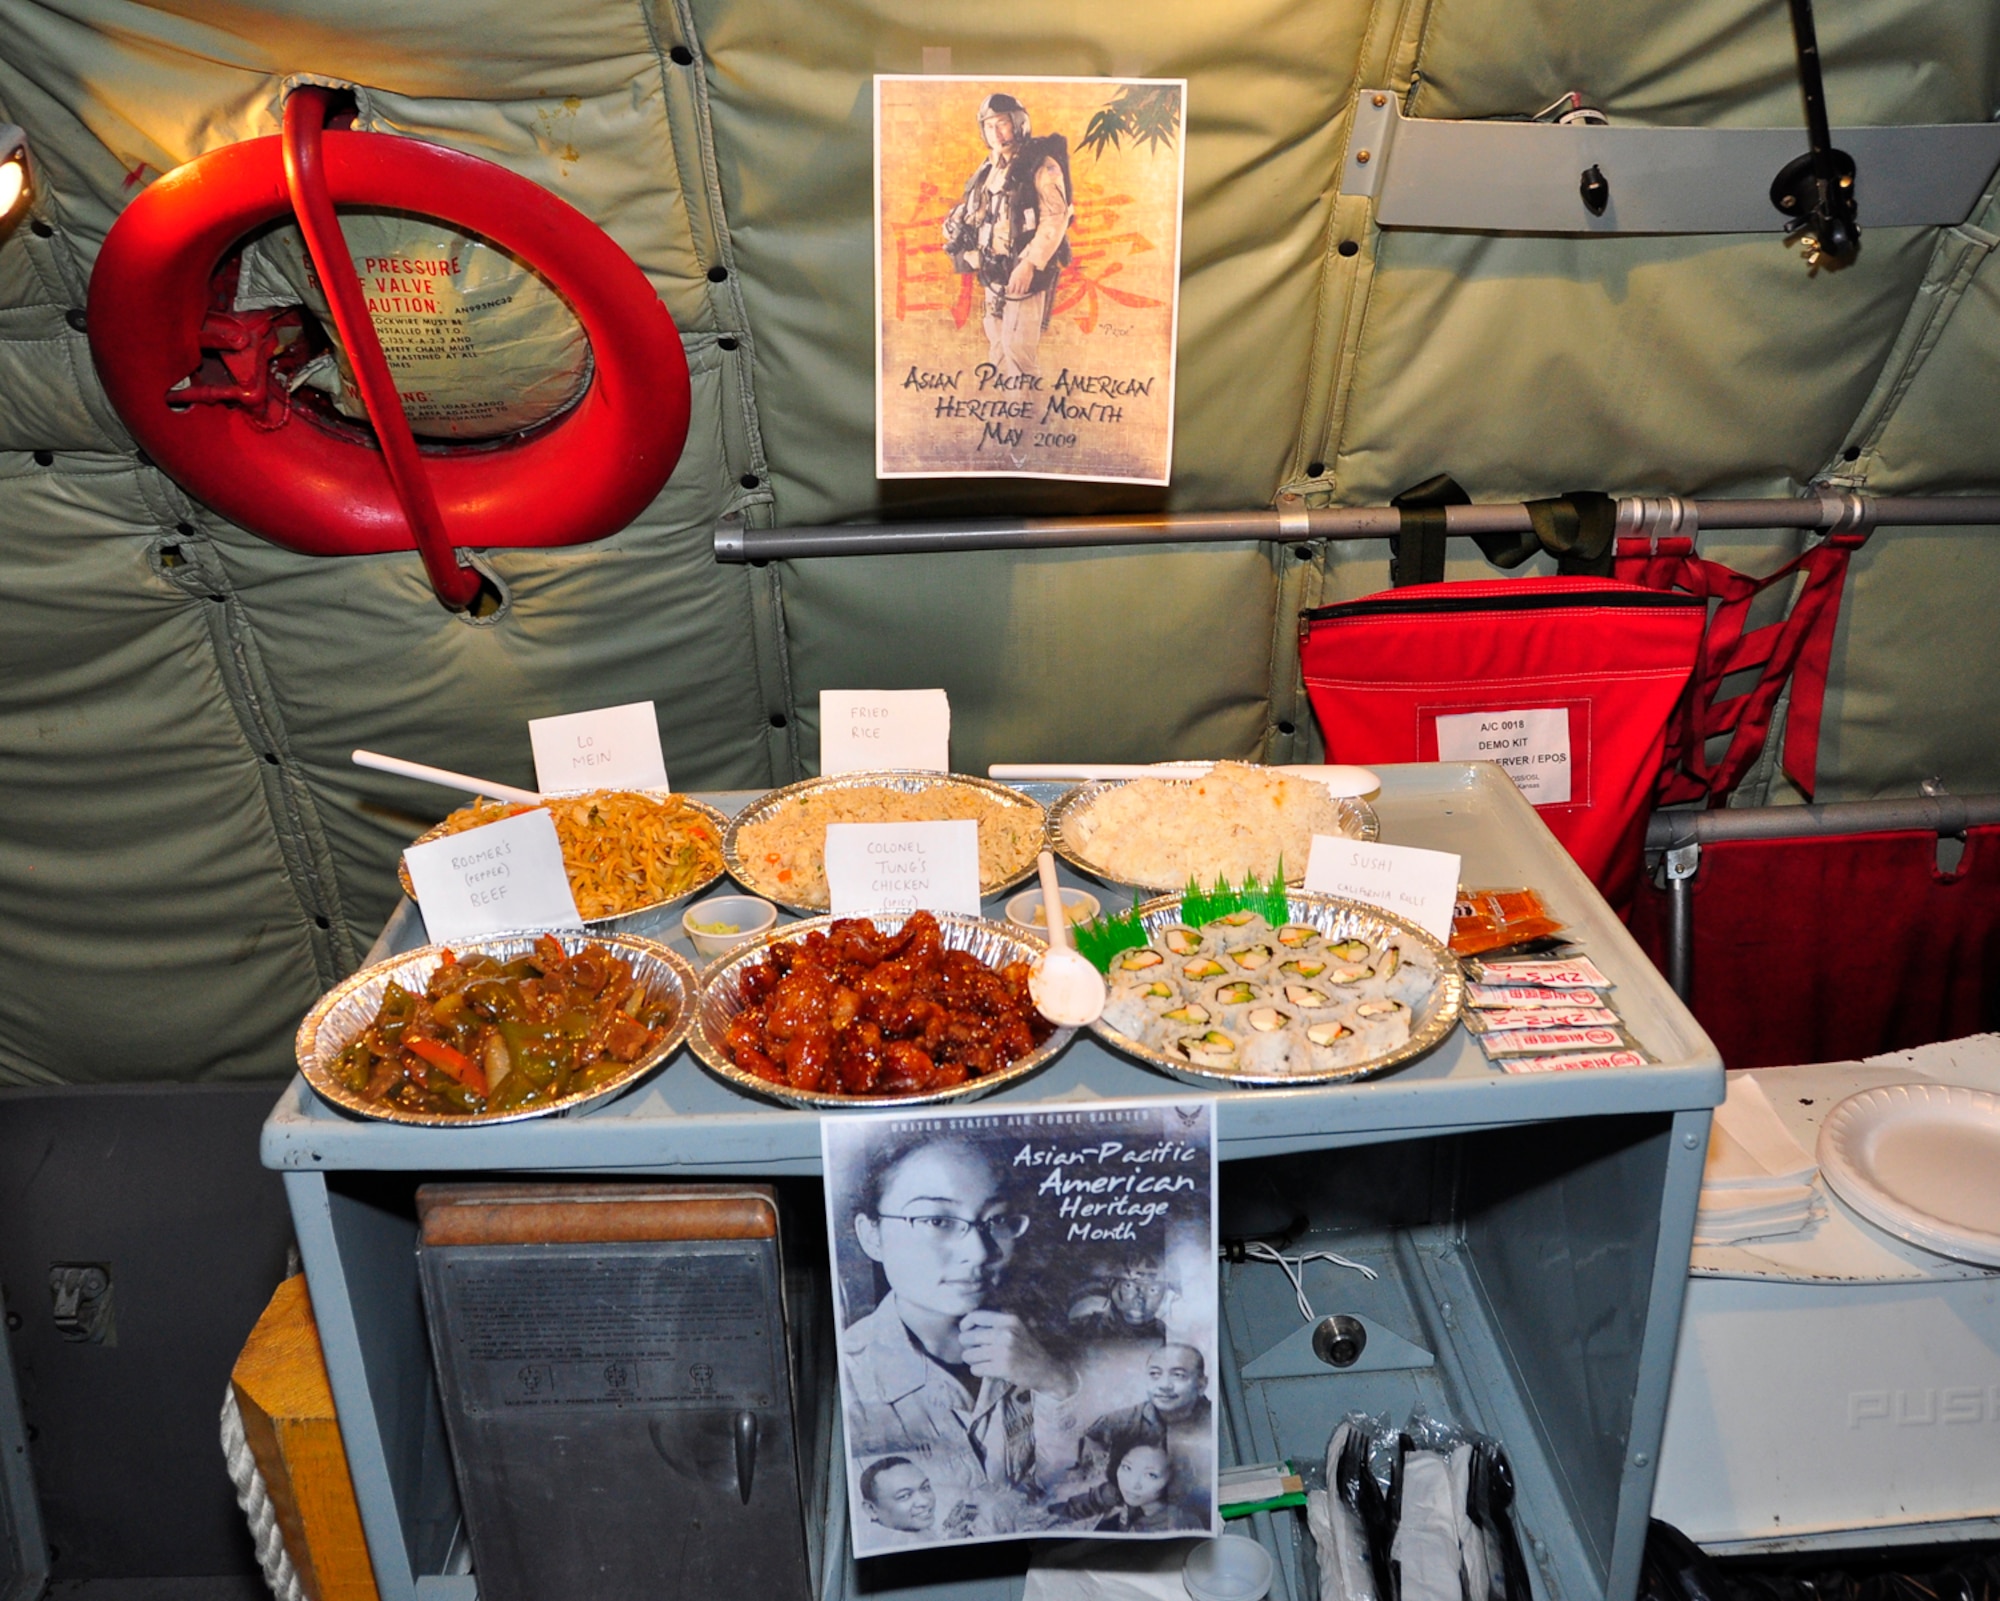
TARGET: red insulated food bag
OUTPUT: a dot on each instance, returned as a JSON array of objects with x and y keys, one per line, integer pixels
[{"x": 1568, "y": 683}]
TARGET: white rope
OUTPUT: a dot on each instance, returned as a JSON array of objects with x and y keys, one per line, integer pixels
[
  {"x": 1294, "y": 1267},
  {"x": 255, "y": 1500}
]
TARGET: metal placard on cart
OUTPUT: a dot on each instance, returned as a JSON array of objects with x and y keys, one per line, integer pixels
[{"x": 619, "y": 1407}]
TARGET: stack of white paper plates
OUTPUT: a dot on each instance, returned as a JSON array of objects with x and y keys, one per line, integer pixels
[{"x": 1923, "y": 1162}]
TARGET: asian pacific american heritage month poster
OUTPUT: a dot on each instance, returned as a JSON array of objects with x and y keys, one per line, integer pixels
[
  {"x": 1027, "y": 276},
  {"x": 1026, "y": 1312}
]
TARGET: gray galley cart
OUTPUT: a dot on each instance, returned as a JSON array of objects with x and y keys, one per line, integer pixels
[{"x": 1530, "y": 1233}]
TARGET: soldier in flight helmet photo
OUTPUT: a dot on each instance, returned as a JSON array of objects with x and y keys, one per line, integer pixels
[{"x": 1011, "y": 230}]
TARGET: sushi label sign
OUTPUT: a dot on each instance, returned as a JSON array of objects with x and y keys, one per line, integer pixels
[
  {"x": 1418, "y": 884},
  {"x": 1532, "y": 747}
]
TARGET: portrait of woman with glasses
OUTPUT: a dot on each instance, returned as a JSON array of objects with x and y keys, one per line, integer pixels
[
  {"x": 936, "y": 1367},
  {"x": 957, "y": 1252}
]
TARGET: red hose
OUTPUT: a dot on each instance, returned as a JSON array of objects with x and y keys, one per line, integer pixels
[{"x": 305, "y": 181}]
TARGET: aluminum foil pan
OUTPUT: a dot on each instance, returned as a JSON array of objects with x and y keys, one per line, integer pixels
[
  {"x": 339, "y": 1016},
  {"x": 759, "y": 882},
  {"x": 1357, "y": 821},
  {"x": 655, "y": 920},
  {"x": 722, "y": 998},
  {"x": 1430, "y": 1024}
]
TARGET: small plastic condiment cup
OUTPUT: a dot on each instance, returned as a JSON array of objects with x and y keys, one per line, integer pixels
[
  {"x": 1228, "y": 1568},
  {"x": 1025, "y": 909},
  {"x": 748, "y": 915}
]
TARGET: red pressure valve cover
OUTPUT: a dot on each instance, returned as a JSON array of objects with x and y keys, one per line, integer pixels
[{"x": 324, "y": 492}]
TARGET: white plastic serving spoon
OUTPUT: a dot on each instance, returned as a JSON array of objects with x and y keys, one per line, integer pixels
[
  {"x": 1067, "y": 990},
  {"x": 446, "y": 777}
]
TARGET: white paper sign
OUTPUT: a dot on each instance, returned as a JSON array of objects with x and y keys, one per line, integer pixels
[
  {"x": 1533, "y": 747},
  {"x": 868, "y": 730},
  {"x": 506, "y": 875},
  {"x": 1418, "y": 884},
  {"x": 615, "y": 748},
  {"x": 899, "y": 867}
]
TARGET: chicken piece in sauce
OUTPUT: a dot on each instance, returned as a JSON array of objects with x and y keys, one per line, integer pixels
[{"x": 854, "y": 1011}]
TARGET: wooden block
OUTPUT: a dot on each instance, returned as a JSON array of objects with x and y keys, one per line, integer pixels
[
  {"x": 547, "y": 1214},
  {"x": 287, "y": 1406}
]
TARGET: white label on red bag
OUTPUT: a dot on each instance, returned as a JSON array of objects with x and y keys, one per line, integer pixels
[
  {"x": 1545, "y": 1041},
  {"x": 1418, "y": 884},
  {"x": 869, "y": 730},
  {"x": 489, "y": 880},
  {"x": 1532, "y": 746},
  {"x": 1573, "y": 1064},
  {"x": 1536, "y": 1017},
  {"x": 616, "y": 747},
  {"x": 902, "y": 867}
]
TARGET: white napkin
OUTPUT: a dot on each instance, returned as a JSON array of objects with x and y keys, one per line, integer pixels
[
  {"x": 1099, "y": 1570},
  {"x": 1758, "y": 1180},
  {"x": 1749, "y": 1146},
  {"x": 1427, "y": 1543},
  {"x": 1337, "y": 1536},
  {"x": 1344, "y": 1574}
]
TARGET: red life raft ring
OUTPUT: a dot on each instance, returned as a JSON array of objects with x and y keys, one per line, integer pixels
[{"x": 328, "y": 492}]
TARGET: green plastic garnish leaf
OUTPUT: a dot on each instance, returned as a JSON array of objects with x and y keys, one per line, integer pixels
[
  {"x": 1102, "y": 938},
  {"x": 1266, "y": 897}
]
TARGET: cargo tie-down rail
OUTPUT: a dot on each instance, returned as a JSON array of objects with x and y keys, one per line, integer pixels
[{"x": 1829, "y": 511}]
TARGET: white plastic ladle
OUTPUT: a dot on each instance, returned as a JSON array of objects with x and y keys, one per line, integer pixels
[
  {"x": 1066, "y": 988},
  {"x": 445, "y": 777}
]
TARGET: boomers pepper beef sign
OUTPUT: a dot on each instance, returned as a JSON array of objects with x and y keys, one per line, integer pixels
[{"x": 1027, "y": 270}]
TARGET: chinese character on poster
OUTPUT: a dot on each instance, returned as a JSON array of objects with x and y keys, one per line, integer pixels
[
  {"x": 1026, "y": 1312},
  {"x": 1027, "y": 276}
]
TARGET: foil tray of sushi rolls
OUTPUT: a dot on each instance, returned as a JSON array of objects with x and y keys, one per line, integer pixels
[{"x": 1339, "y": 991}]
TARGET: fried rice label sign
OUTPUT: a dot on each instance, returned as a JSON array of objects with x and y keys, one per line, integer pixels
[
  {"x": 868, "y": 730},
  {"x": 1028, "y": 1321},
  {"x": 1027, "y": 276}
]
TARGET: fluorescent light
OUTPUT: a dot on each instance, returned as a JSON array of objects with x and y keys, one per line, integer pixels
[{"x": 13, "y": 169}]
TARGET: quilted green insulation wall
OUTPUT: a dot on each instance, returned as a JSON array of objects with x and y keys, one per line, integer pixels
[{"x": 186, "y": 858}]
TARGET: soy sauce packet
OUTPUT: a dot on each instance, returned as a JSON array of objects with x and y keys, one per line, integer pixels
[
  {"x": 1556, "y": 1042},
  {"x": 1525, "y": 997},
  {"x": 1579, "y": 1063},
  {"x": 1500, "y": 1022},
  {"x": 1564, "y": 973}
]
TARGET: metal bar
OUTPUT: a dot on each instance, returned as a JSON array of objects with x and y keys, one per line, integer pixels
[
  {"x": 1949, "y": 815},
  {"x": 353, "y": 1386},
  {"x": 24, "y": 1548},
  {"x": 1680, "y": 1197},
  {"x": 1680, "y": 935},
  {"x": 1807, "y": 40},
  {"x": 734, "y": 542},
  {"x": 1523, "y": 177}
]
